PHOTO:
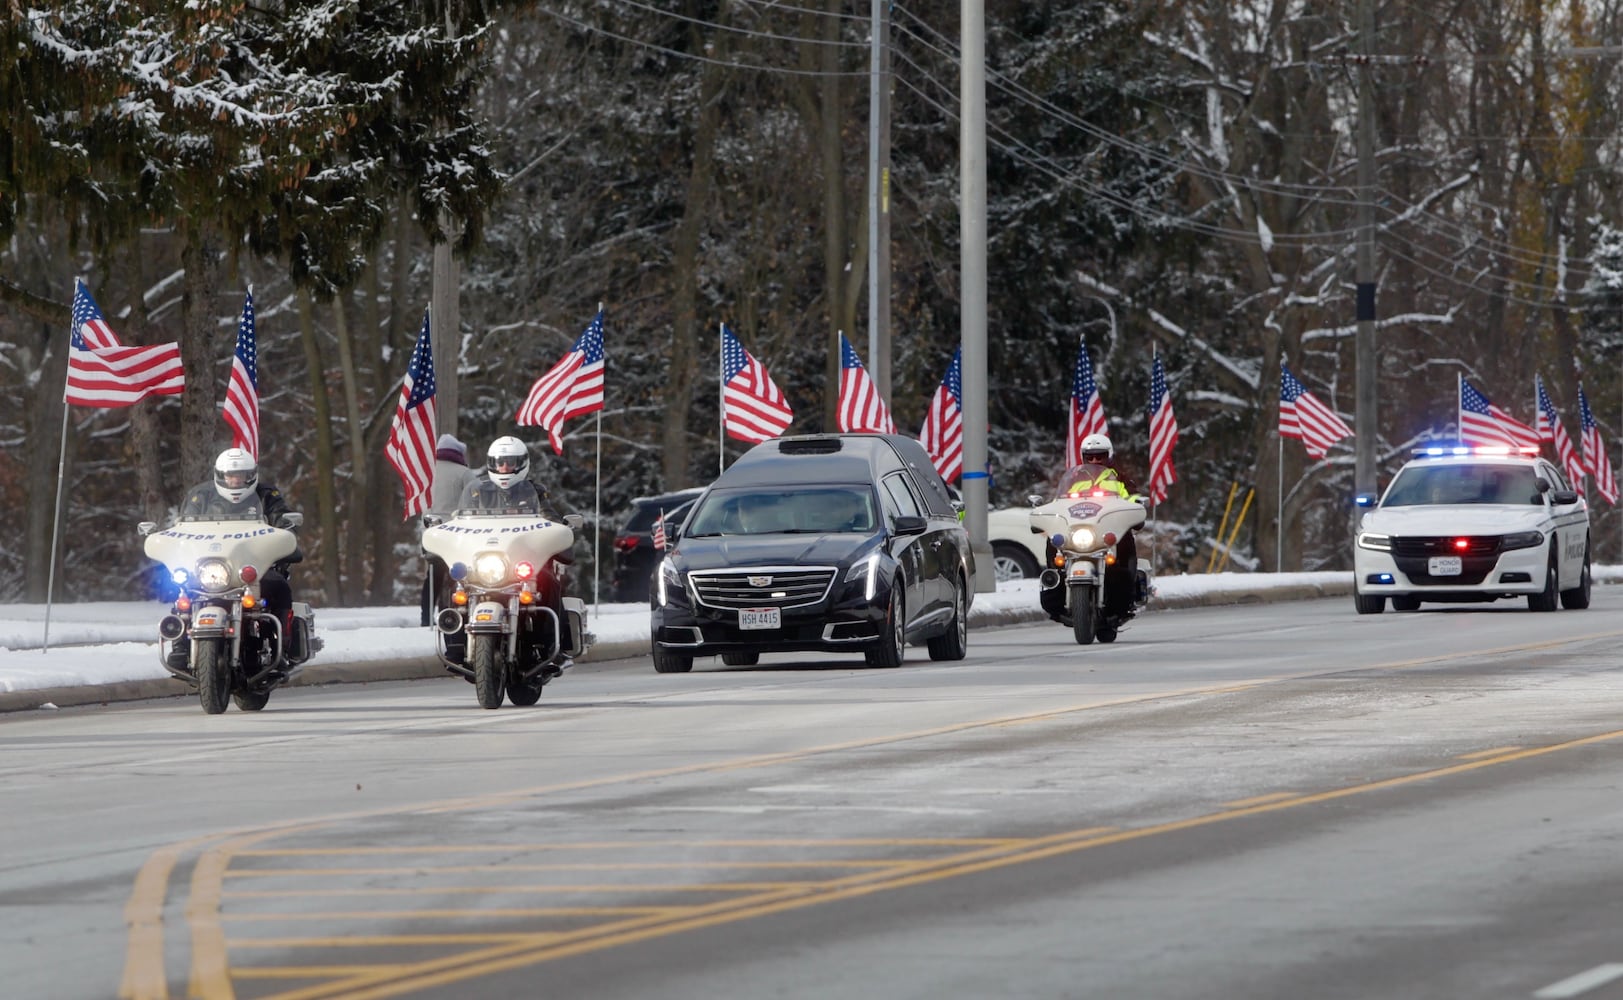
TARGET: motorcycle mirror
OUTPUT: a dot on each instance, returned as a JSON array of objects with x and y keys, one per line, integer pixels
[
  {"x": 432, "y": 520},
  {"x": 292, "y": 519},
  {"x": 146, "y": 528},
  {"x": 1034, "y": 499},
  {"x": 574, "y": 521}
]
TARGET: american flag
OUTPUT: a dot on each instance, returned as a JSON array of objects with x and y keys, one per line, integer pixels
[
  {"x": 241, "y": 409},
  {"x": 659, "y": 532},
  {"x": 1163, "y": 434},
  {"x": 1550, "y": 429},
  {"x": 1303, "y": 417},
  {"x": 1087, "y": 411},
  {"x": 1482, "y": 423},
  {"x": 861, "y": 409},
  {"x": 103, "y": 372},
  {"x": 1595, "y": 457},
  {"x": 752, "y": 407},
  {"x": 571, "y": 388},
  {"x": 943, "y": 431},
  {"x": 411, "y": 437}
]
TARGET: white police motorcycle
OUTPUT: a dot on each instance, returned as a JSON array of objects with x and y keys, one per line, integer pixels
[
  {"x": 239, "y": 649},
  {"x": 1085, "y": 528},
  {"x": 506, "y": 576}
]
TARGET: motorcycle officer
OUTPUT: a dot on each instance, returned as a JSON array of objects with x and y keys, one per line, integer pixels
[
  {"x": 1124, "y": 584},
  {"x": 506, "y": 485},
  {"x": 236, "y": 490}
]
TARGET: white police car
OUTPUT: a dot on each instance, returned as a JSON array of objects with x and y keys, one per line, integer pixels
[{"x": 1473, "y": 524}]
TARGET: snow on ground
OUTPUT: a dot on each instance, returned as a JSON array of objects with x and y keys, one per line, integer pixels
[{"x": 104, "y": 643}]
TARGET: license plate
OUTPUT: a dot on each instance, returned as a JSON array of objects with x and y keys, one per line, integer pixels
[
  {"x": 758, "y": 618},
  {"x": 1443, "y": 566}
]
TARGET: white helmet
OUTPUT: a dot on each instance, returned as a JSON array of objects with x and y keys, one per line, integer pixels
[
  {"x": 507, "y": 462},
  {"x": 235, "y": 475},
  {"x": 1097, "y": 449}
]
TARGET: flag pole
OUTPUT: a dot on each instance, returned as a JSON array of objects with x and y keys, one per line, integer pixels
[
  {"x": 721, "y": 402},
  {"x": 1279, "y": 511},
  {"x": 1459, "y": 404},
  {"x": 56, "y": 513},
  {"x": 597, "y": 502}
]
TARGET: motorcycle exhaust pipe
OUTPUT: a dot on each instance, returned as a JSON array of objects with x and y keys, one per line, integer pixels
[
  {"x": 1050, "y": 579},
  {"x": 171, "y": 627},
  {"x": 449, "y": 621}
]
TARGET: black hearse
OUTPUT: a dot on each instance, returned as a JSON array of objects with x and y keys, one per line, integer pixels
[{"x": 827, "y": 543}]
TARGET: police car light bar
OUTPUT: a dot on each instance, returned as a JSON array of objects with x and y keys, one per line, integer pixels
[{"x": 1434, "y": 450}]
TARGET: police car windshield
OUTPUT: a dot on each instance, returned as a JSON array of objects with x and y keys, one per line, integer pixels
[{"x": 1421, "y": 485}]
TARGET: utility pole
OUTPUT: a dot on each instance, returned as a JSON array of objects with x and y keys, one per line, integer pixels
[
  {"x": 444, "y": 321},
  {"x": 879, "y": 200},
  {"x": 1366, "y": 429},
  {"x": 972, "y": 236}
]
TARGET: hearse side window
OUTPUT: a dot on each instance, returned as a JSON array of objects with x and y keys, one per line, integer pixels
[{"x": 902, "y": 500}]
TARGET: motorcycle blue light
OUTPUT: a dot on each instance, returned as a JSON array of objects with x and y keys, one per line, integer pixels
[
  {"x": 458, "y": 570},
  {"x": 1058, "y": 540},
  {"x": 179, "y": 576}
]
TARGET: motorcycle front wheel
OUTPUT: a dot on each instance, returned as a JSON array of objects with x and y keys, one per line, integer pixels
[
  {"x": 488, "y": 670},
  {"x": 213, "y": 676},
  {"x": 1084, "y": 615}
]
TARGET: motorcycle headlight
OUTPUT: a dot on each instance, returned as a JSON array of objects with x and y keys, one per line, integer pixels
[
  {"x": 213, "y": 574},
  {"x": 866, "y": 570},
  {"x": 490, "y": 569},
  {"x": 1376, "y": 541},
  {"x": 1082, "y": 538}
]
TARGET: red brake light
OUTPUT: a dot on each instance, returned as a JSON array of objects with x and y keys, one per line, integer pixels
[
  {"x": 625, "y": 543},
  {"x": 1100, "y": 493},
  {"x": 249, "y": 574},
  {"x": 1462, "y": 544},
  {"x": 524, "y": 570}
]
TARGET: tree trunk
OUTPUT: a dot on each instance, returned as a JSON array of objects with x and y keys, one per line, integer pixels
[
  {"x": 143, "y": 448},
  {"x": 200, "y": 403},
  {"x": 355, "y": 439},
  {"x": 326, "y": 540},
  {"x": 685, "y": 347}
]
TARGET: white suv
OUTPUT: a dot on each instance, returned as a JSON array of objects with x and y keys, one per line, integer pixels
[
  {"x": 1473, "y": 524},
  {"x": 1017, "y": 554}
]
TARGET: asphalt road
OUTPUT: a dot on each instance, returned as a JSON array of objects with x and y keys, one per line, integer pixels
[{"x": 1257, "y": 801}]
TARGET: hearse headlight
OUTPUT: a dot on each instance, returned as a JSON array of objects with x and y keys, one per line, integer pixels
[
  {"x": 866, "y": 570},
  {"x": 1375, "y": 540},
  {"x": 670, "y": 580}
]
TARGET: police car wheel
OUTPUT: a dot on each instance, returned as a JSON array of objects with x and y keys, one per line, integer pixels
[{"x": 1369, "y": 604}]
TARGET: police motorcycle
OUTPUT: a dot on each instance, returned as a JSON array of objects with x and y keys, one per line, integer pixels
[
  {"x": 507, "y": 575},
  {"x": 239, "y": 649},
  {"x": 1083, "y": 528}
]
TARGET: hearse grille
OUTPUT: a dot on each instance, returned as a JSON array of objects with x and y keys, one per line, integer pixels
[{"x": 764, "y": 587}]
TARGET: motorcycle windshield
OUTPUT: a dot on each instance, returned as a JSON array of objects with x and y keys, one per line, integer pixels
[
  {"x": 519, "y": 537},
  {"x": 237, "y": 539},
  {"x": 1075, "y": 475}
]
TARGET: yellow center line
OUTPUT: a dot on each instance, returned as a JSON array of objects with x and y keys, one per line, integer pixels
[
  {"x": 298, "y": 971},
  {"x": 1487, "y": 753},
  {"x": 282, "y": 916},
  {"x": 143, "y": 966},
  {"x": 1257, "y": 800},
  {"x": 514, "y": 956}
]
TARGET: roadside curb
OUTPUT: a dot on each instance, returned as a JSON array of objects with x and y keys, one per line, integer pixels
[{"x": 428, "y": 667}]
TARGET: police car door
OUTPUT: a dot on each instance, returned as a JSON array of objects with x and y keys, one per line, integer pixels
[{"x": 1570, "y": 525}]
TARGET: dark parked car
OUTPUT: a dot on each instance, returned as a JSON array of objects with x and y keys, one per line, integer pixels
[
  {"x": 634, "y": 554},
  {"x": 827, "y": 543}
]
